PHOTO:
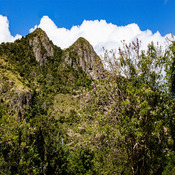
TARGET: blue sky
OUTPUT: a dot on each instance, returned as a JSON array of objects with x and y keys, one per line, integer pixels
[
  {"x": 156, "y": 15},
  {"x": 104, "y": 23}
]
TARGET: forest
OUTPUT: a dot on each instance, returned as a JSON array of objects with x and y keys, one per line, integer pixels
[{"x": 55, "y": 118}]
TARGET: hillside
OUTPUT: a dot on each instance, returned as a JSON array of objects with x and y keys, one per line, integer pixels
[{"x": 62, "y": 113}]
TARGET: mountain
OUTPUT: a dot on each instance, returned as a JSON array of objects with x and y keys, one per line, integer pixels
[
  {"x": 62, "y": 113},
  {"x": 34, "y": 62},
  {"x": 81, "y": 54},
  {"x": 41, "y": 45},
  {"x": 38, "y": 81}
]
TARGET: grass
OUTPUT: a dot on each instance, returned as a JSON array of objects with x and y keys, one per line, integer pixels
[
  {"x": 7, "y": 73},
  {"x": 64, "y": 103}
]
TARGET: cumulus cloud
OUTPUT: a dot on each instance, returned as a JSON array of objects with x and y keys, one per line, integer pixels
[
  {"x": 100, "y": 34},
  {"x": 5, "y": 35}
]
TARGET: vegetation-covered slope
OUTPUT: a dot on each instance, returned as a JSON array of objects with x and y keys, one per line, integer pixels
[
  {"x": 36, "y": 84},
  {"x": 61, "y": 113}
]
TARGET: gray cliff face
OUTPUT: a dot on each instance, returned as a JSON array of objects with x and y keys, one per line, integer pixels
[
  {"x": 81, "y": 54},
  {"x": 20, "y": 100},
  {"x": 14, "y": 93},
  {"x": 42, "y": 46}
]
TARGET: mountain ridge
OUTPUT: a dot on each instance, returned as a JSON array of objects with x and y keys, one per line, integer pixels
[
  {"x": 34, "y": 63},
  {"x": 83, "y": 53}
]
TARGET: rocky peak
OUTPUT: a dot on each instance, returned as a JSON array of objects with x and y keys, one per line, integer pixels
[
  {"x": 42, "y": 46},
  {"x": 81, "y": 54}
]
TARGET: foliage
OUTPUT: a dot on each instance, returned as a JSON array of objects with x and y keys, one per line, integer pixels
[
  {"x": 55, "y": 120},
  {"x": 134, "y": 101}
]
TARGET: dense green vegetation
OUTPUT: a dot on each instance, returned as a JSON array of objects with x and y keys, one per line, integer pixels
[{"x": 55, "y": 120}]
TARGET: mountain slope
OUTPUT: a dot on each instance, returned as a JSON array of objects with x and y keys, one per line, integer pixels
[
  {"x": 61, "y": 113},
  {"x": 34, "y": 63},
  {"x": 37, "y": 84}
]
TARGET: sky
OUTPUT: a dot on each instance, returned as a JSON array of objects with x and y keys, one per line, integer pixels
[{"x": 104, "y": 23}]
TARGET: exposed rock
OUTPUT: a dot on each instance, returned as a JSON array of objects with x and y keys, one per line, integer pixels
[
  {"x": 22, "y": 99},
  {"x": 42, "y": 46},
  {"x": 81, "y": 54}
]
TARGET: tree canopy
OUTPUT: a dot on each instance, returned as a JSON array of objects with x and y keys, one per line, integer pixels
[{"x": 55, "y": 120}]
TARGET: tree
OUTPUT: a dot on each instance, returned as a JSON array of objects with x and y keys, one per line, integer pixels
[{"x": 134, "y": 99}]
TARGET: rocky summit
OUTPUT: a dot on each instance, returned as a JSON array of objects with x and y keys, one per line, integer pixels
[
  {"x": 41, "y": 45},
  {"x": 81, "y": 54}
]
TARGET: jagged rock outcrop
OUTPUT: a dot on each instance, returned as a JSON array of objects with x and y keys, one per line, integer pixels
[
  {"x": 42, "y": 46},
  {"x": 20, "y": 100},
  {"x": 81, "y": 54},
  {"x": 13, "y": 92}
]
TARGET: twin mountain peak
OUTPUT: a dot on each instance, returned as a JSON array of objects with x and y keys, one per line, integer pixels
[{"x": 80, "y": 54}]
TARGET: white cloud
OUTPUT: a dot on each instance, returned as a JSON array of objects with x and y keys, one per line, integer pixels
[
  {"x": 99, "y": 34},
  {"x": 5, "y": 35}
]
